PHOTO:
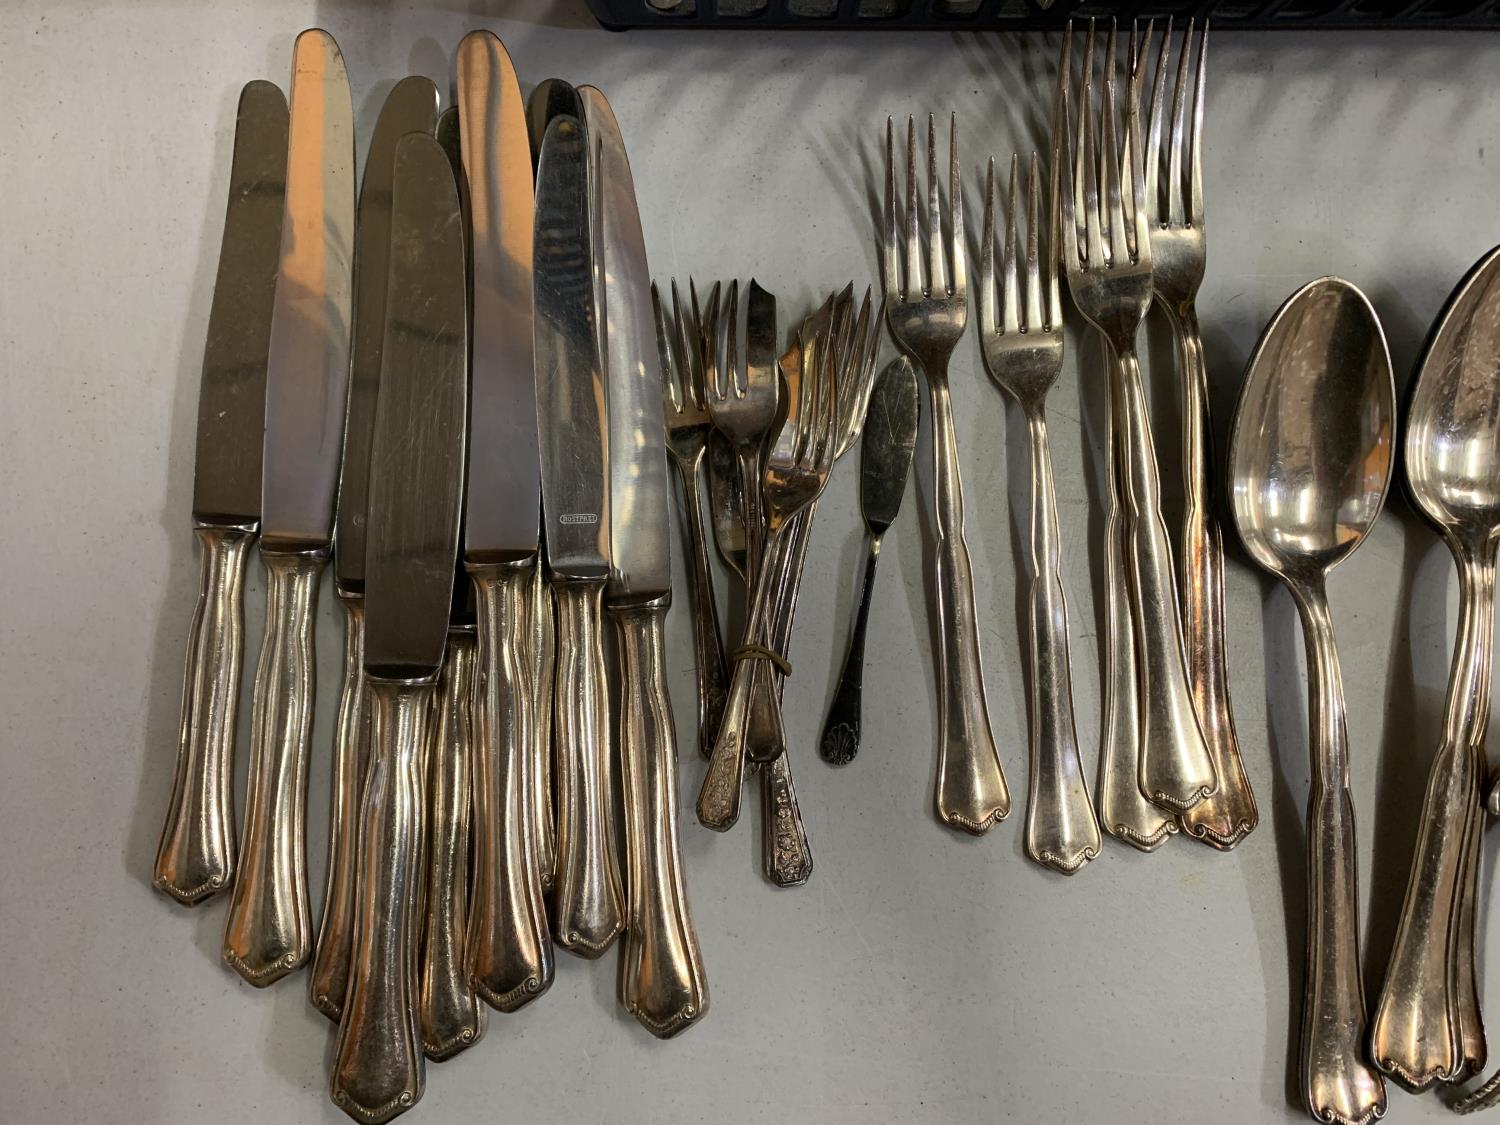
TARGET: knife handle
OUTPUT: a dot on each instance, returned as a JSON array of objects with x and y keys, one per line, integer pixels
[
  {"x": 661, "y": 977},
  {"x": 586, "y": 895},
  {"x": 195, "y": 858},
  {"x": 351, "y": 757},
  {"x": 451, "y": 1017},
  {"x": 509, "y": 944},
  {"x": 378, "y": 1068},
  {"x": 543, "y": 663},
  {"x": 268, "y": 932}
]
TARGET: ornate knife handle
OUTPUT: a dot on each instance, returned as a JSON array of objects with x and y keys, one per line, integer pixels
[
  {"x": 351, "y": 757},
  {"x": 195, "y": 858},
  {"x": 543, "y": 664},
  {"x": 1061, "y": 831},
  {"x": 586, "y": 894},
  {"x": 451, "y": 1017},
  {"x": 840, "y": 741},
  {"x": 1176, "y": 770},
  {"x": 509, "y": 947},
  {"x": 378, "y": 1069},
  {"x": 1418, "y": 1033},
  {"x": 661, "y": 978},
  {"x": 971, "y": 792},
  {"x": 1338, "y": 1084},
  {"x": 269, "y": 932},
  {"x": 708, "y": 648}
]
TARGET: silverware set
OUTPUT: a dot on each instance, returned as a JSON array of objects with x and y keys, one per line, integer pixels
[{"x": 461, "y": 371}]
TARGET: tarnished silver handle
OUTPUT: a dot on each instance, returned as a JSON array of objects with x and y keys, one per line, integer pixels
[
  {"x": 450, "y": 1016},
  {"x": 509, "y": 946},
  {"x": 1338, "y": 1085},
  {"x": 1061, "y": 831},
  {"x": 971, "y": 792},
  {"x": 351, "y": 756},
  {"x": 661, "y": 977},
  {"x": 586, "y": 894},
  {"x": 786, "y": 855},
  {"x": 1228, "y": 814},
  {"x": 708, "y": 647},
  {"x": 1418, "y": 1030},
  {"x": 269, "y": 932},
  {"x": 378, "y": 1069},
  {"x": 196, "y": 856},
  {"x": 1176, "y": 770},
  {"x": 543, "y": 663}
]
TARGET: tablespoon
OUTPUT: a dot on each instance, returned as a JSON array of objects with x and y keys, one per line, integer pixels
[
  {"x": 1453, "y": 473},
  {"x": 1310, "y": 460}
]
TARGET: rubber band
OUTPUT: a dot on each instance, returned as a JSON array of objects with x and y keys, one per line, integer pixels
[{"x": 761, "y": 652}]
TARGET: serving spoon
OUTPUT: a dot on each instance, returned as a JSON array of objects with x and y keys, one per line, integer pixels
[{"x": 1310, "y": 460}]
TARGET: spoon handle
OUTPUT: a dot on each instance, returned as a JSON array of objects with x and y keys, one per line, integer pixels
[
  {"x": 1418, "y": 1028},
  {"x": 1337, "y": 1082}
]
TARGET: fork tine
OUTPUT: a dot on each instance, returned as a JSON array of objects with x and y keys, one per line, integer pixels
[
  {"x": 732, "y": 381},
  {"x": 825, "y": 411},
  {"x": 1141, "y": 221},
  {"x": 1176, "y": 210},
  {"x": 890, "y": 263},
  {"x": 859, "y": 372},
  {"x": 1067, "y": 154},
  {"x": 1195, "y": 173},
  {"x": 664, "y": 334},
  {"x": 1034, "y": 319},
  {"x": 914, "y": 282},
  {"x": 1052, "y": 263},
  {"x": 1158, "y": 94},
  {"x": 1010, "y": 303},
  {"x": 1087, "y": 173},
  {"x": 937, "y": 272},
  {"x": 988, "y": 313},
  {"x": 957, "y": 251},
  {"x": 1120, "y": 248},
  {"x": 686, "y": 332}
]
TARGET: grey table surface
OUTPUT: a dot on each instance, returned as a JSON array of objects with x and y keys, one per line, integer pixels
[{"x": 918, "y": 976}]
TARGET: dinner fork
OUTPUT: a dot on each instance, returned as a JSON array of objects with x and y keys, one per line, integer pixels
[
  {"x": 926, "y": 315},
  {"x": 797, "y": 465},
  {"x": 1108, "y": 265},
  {"x": 688, "y": 426},
  {"x": 1174, "y": 210},
  {"x": 1021, "y": 338}
]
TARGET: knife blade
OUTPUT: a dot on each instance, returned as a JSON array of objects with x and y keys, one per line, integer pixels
[
  {"x": 415, "y": 493},
  {"x": 575, "y": 501},
  {"x": 196, "y": 855},
  {"x": 662, "y": 983},
  {"x": 268, "y": 932},
  {"x": 410, "y": 107},
  {"x": 550, "y": 98},
  {"x": 509, "y": 944}
]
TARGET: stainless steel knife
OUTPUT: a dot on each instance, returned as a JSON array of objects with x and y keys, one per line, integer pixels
[
  {"x": 662, "y": 983},
  {"x": 415, "y": 495},
  {"x": 196, "y": 855},
  {"x": 572, "y": 412},
  {"x": 509, "y": 946},
  {"x": 268, "y": 933},
  {"x": 410, "y": 107}
]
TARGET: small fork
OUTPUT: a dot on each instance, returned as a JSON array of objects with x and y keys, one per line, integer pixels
[
  {"x": 688, "y": 427},
  {"x": 926, "y": 316},
  {"x": 1021, "y": 337},
  {"x": 1108, "y": 265}
]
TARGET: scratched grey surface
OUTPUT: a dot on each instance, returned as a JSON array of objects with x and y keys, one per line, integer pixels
[{"x": 919, "y": 976}]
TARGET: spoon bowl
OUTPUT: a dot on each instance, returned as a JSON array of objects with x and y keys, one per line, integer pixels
[{"x": 1310, "y": 454}]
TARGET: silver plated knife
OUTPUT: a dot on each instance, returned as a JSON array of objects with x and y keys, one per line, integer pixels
[
  {"x": 196, "y": 855},
  {"x": 572, "y": 413},
  {"x": 268, "y": 933},
  {"x": 662, "y": 983},
  {"x": 410, "y": 107},
  {"x": 509, "y": 946},
  {"x": 416, "y": 489}
]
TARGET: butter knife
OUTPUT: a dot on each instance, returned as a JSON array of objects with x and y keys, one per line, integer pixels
[
  {"x": 268, "y": 933},
  {"x": 415, "y": 494},
  {"x": 196, "y": 855}
]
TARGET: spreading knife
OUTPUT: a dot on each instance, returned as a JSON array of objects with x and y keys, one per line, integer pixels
[
  {"x": 415, "y": 498},
  {"x": 509, "y": 946},
  {"x": 662, "y": 983},
  {"x": 268, "y": 933},
  {"x": 196, "y": 855},
  {"x": 411, "y": 107},
  {"x": 573, "y": 426}
]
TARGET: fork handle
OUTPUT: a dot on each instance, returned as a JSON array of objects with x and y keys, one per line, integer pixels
[
  {"x": 1176, "y": 770},
  {"x": 708, "y": 648},
  {"x": 1229, "y": 814},
  {"x": 971, "y": 793}
]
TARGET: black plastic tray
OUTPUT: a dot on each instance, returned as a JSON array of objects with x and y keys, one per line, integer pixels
[{"x": 951, "y": 15}]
